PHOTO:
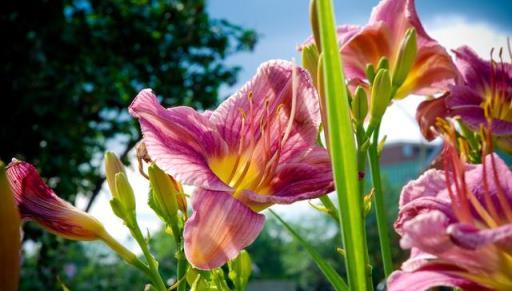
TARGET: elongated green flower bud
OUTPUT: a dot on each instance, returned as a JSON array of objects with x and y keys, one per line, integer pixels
[
  {"x": 112, "y": 166},
  {"x": 383, "y": 64},
  {"x": 125, "y": 192},
  {"x": 359, "y": 105},
  {"x": 381, "y": 95},
  {"x": 164, "y": 196},
  {"x": 370, "y": 72},
  {"x": 315, "y": 26},
  {"x": 406, "y": 58}
]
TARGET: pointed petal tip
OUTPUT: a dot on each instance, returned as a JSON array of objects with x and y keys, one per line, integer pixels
[{"x": 145, "y": 98}]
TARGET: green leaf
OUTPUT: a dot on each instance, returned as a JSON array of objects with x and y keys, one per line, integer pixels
[
  {"x": 328, "y": 271},
  {"x": 343, "y": 152}
]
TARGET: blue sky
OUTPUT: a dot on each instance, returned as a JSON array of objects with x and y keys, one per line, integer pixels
[{"x": 284, "y": 23}]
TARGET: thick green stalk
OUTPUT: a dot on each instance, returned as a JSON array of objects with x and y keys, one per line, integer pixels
[
  {"x": 362, "y": 150},
  {"x": 152, "y": 263},
  {"x": 181, "y": 262},
  {"x": 343, "y": 152},
  {"x": 361, "y": 156},
  {"x": 182, "y": 270},
  {"x": 380, "y": 210}
]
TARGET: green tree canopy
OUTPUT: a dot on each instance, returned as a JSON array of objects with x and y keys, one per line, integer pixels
[{"x": 71, "y": 67}]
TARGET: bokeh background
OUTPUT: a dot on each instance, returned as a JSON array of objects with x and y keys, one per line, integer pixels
[{"x": 69, "y": 69}]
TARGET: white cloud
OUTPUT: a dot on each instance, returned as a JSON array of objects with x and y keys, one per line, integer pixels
[{"x": 454, "y": 31}]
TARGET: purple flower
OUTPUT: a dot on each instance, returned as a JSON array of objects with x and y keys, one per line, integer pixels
[
  {"x": 482, "y": 96},
  {"x": 433, "y": 68},
  {"x": 457, "y": 222},
  {"x": 256, "y": 149}
]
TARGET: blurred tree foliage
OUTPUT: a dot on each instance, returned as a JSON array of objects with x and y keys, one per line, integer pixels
[{"x": 71, "y": 67}]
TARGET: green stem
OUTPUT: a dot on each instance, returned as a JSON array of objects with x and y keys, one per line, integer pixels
[
  {"x": 182, "y": 270},
  {"x": 124, "y": 253},
  {"x": 380, "y": 210},
  {"x": 343, "y": 152},
  {"x": 181, "y": 262},
  {"x": 153, "y": 264},
  {"x": 361, "y": 169},
  {"x": 361, "y": 156}
]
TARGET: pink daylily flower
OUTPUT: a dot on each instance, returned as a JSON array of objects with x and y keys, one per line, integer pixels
[
  {"x": 38, "y": 202},
  {"x": 256, "y": 149},
  {"x": 433, "y": 69},
  {"x": 457, "y": 222}
]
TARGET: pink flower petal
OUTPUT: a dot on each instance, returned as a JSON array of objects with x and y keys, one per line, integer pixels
[
  {"x": 307, "y": 175},
  {"x": 423, "y": 280},
  {"x": 427, "y": 114},
  {"x": 429, "y": 184},
  {"x": 427, "y": 231},
  {"x": 422, "y": 205},
  {"x": 269, "y": 94},
  {"x": 220, "y": 227},
  {"x": 368, "y": 46},
  {"x": 399, "y": 15},
  {"x": 179, "y": 140},
  {"x": 470, "y": 237},
  {"x": 432, "y": 73}
]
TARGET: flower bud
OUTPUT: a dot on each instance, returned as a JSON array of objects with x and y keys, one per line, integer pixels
[
  {"x": 380, "y": 96},
  {"x": 10, "y": 240},
  {"x": 370, "y": 72},
  {"x": 240, "y": 270},
  {"x": 406, "y": 58},
  {"x": 359, "y": 105},
  {"x": 310, "y": 61},
  {"x": 383, "y": 64},
  {"x": 164, "y": 195},
  {"x": 125, "y": 192},
  {"x": 36, "y": 201},
  {"x": 315, "y": 26},
  {"x": 112, "y": 166}
]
